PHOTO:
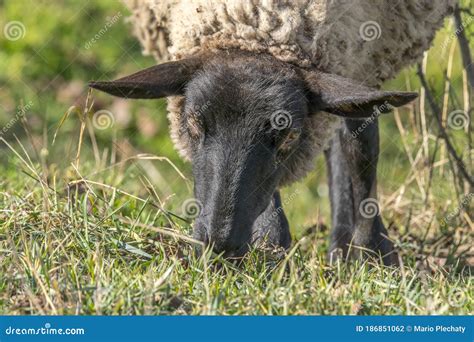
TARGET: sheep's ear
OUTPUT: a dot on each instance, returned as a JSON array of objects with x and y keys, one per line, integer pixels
[
  {"x": 348, "y": 98},
  {"x": 162, "y": 80}
]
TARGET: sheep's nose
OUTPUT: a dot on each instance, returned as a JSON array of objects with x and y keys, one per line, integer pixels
[
  {"x": 228, "y": 246},
  {"x": 227, "y": 237},
  {"x": 236, "y": 253}
]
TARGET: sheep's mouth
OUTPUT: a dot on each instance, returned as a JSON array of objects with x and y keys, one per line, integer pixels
[{"x": 236, "y": 254}]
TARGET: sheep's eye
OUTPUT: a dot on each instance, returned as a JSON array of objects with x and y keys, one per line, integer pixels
[
  {"x": 194, "y": 126},
  {"x": 290, "y": 139}
]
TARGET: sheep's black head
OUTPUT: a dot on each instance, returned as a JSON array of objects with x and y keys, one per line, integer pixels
[{"x": 244, "y": 119}]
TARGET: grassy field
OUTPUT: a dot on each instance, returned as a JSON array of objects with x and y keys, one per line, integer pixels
[{"x": 91, "y": 217}]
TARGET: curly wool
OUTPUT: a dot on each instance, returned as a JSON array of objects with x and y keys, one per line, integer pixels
[{"x": 360, "y": 39}]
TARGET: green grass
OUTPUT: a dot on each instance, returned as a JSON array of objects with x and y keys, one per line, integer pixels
[
  {"x": 105, "y": 234},
  {"x": 80, "y": 247},
  {"x": 76, "y": 258}
]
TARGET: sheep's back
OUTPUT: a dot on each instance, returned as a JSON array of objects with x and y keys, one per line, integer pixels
[{"x": 362, "y": 39}]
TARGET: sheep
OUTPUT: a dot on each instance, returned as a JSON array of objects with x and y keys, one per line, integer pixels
[{"x": 257, "y": 89}]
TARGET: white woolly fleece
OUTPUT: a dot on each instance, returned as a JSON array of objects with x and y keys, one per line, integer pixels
[{"x": 366, "y": 40}]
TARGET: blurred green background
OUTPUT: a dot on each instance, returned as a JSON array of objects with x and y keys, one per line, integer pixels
[{"x": 51, "y": 62}]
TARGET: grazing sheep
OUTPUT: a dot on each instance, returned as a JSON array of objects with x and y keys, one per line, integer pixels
[{"x": 256, "y": 89}]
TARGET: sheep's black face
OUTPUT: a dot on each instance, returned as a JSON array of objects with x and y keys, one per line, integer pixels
[
  {"x": 242, "y": 122},
  {"x": 245, "y": 117}
]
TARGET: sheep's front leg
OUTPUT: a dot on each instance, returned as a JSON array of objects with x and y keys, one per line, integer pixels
[
  {"x": 272, "y": 226},
  {"x": 352, "y": 165}
]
